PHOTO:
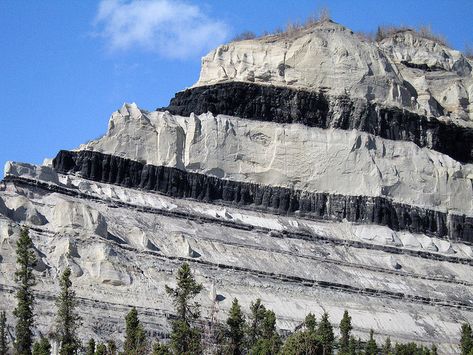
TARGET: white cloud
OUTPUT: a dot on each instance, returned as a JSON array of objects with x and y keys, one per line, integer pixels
[{"x": 173, "y": 29}]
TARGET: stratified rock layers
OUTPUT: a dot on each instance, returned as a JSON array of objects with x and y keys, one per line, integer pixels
[
  {"x": 316, "y": 109},
  {"x": 180, "y": 184}
]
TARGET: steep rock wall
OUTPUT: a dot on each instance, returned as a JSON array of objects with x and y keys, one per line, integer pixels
[
  {"x": 316, "y": 109},
  {"x": 177, "y": 183}
]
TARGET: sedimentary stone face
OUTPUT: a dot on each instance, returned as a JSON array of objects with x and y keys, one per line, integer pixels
[
  {"x": 177, "y": 183},
  {"x": 330, "y": 57},
  {"x": 315, "y": 109},
  {"x": 315, "y": 170}
]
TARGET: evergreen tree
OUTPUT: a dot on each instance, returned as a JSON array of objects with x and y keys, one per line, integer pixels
[
  {"x": 303, "y": 342},
  {"x": 236, "y": 329},
  {"x": 371, "y": 346},
  {"x": 42, "y": 347},
  {"x": 353, "y": 348},
  {"x": 270, "y": 342},
  {"x": 345, "y": 329},
  {"x": 161, "y": 349},
  {"x": 90, "y": 349},
  {"x": 25, "y": 279},
  {"x": 185, "y": 338},
  {"x": 433, "y": 350},
  {"x": 325, "y": 334},
  {"x": 310, "y": 323},
  {"x": 379, "y": 35},
  {"x": 387, "y": 347},
  {"x": 101, "y": 349},
  {"x": 135, "y": 337},
  {"x": 3, "y": 334},
  {"x": 111, "y": 347},
  {"x": 67, "y": 319},
  {"x": 466, "y": 342},
  {"x": 258, "y": 312}
]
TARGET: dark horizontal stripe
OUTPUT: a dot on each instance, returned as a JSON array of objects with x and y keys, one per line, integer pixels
[
  {"x": 316, "y": 205},
  {"x": 316, "y": 109},
  {"x": 301, "y": 235}
]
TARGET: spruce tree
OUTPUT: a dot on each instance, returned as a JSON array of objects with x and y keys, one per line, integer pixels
[
  {"x": 466, "y": 342},
  {"x": 304, "y": 342},
  {"x": 310, "y": 323},
  {"x": 161, "y": 349},
  {"x": 371, "y": 346},
  {"x": 433, "y": 350},
  {"x": 353, "y": 348},
  {"x": 270, "y": 342},
  {"x": 90, "y": 349},
  {"x": 345, "y": 329},
  {"x": 135, "y": 337},
  {"x": 387, "y": 347},
  {"x": 258, "y": 312},
  {"x": 42, "y": 347},
  {"x": 236, "y": 329},
  {"x": 101, "y": 349},
  {"x": 112, "y": 347},
  {"x": 67, "y": 319},
  {"x": 185, "y": 336},
  {"x": 25, "y": 280},
  {"x": 325, "y": 334},
  {"x": 3, "y": 334}
]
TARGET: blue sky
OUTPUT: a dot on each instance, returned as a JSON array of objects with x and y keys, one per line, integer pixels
[{"x": 67, "y": 65}]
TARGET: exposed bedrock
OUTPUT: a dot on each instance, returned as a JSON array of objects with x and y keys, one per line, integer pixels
[
  {"x": 316, "y": 109},
  {"x": 177, "y": 183}
]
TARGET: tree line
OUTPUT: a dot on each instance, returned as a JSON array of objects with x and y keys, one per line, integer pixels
[{"x": 190, "y": 335}]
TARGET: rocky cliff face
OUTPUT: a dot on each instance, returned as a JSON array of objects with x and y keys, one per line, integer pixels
[
  {"x": 316, "y": 171},
  {"x": 404, "y": 70}
]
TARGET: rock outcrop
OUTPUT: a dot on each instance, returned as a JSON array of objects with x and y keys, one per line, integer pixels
[{"x": 315, "y": 170}]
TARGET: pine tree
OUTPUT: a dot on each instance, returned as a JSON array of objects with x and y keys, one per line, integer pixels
[
  {"x": 325, "y": 334},
  {"x": 90, "y": 350},
  {"x": 185, "y": 338},
  {"x": 67, "y": 319},
  {"x": 466, "y": 342},
  {"x": 433, "y": 350},
  {"x": 236, "y": 329},
  {"x": 135, "y": 337},
  {"x": 101, "y": 349},
  {"x": 42, "y": 347},
  {"x": 371, "y": 346},
  {"x": 387, "y": 347},
  {"x": 25, "y": 279},
  {"x": 258, "y": 312},
  {"x": 3, "y": 334},
  {"x": 345, "y": 329}
]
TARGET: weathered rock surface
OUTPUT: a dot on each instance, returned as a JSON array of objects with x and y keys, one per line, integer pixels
[
  {"x": 314, "y": 170},
  {"x": 331, "y": 57},
  {"x": 291, "y": 155},
  {"x": 173, "y": 182},
  {"x": 316, "y": 109}
]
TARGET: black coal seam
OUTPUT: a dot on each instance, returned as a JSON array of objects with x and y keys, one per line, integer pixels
[
  {"x": 316, "y": 109},
  {"x": 177, "y": 183},
  {"x": 235, "y": 225}
]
